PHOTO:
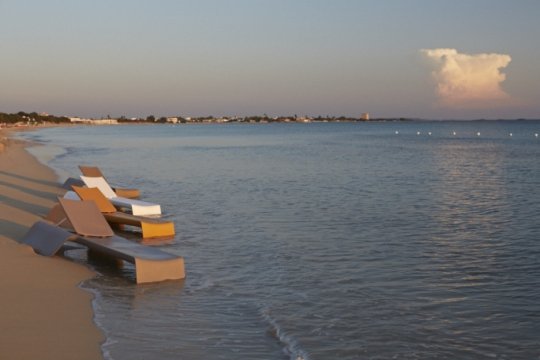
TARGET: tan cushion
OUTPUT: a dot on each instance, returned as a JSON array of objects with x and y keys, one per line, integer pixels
[
  {"x": 86, "y": 218},
  {"x": 91, "y": 171}
]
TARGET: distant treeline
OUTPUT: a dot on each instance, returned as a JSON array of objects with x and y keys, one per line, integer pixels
[
  {"x": 149, "y": 119},
  {"x": 35, "y": 118},
  {"x": 31, "y": 118}
]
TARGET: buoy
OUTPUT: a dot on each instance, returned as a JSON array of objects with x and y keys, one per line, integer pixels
[
  {"x": 511, "y": 134},
  {"x": 454, "y": 133},
  {"x": 535, "y": 134},
  {"x": 478, "y": 133},
  {"x": 429, "y": 133},
  {"x": 418, "y": 133},
  {"x": 397, "y": 132}
]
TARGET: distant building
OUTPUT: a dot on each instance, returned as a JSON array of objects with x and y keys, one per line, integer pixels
[
  {"x": 93, "y": 121},
  {"x": 79, "y": 120},
  {"x": 172, "y": 120},
  {"x": 105, "y": 122},
  {"x": 365, "y": 116}
]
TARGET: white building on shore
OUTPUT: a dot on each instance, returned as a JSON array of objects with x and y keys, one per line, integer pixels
[{"x": 78, "y": 120}]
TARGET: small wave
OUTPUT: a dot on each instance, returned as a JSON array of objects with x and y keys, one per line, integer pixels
[
  {"x": 291, "y": 347},
  {"x": 46, "y": 154},
  {"x": 98, "y": 316},
  {"x": 203, "y": 285}
]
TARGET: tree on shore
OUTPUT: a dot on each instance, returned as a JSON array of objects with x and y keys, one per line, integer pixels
[{"x": 31, "y": 118}]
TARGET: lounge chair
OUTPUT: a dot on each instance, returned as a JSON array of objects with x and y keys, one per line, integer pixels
[
  {"x": 94, "y": 171},
  {"x": 55, "y": 238},
  {"x": 89, "y": 228},
  {"x": 137, "y": 207},
  {"x": 72, "y": 181},
  {"x": 151, "y": 228}
]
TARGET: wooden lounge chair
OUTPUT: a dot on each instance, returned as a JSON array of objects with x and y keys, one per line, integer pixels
[
  {"x": 94, "y": 171},
  {"x": 91, "y": 230},
  {"x": 137, "y": 207},
  {"x": 151, "y": 227}
]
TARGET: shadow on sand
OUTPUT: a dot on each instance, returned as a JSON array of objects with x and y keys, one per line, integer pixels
[
  {"x": 22, "y": 177},
  {"x": 25, "y": 206},
  {"x": 13, "y": 230},
  {"x": 49, "y": 195}
]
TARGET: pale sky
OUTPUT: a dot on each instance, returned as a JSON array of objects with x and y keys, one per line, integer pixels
[{"x": 440, "y": 59}]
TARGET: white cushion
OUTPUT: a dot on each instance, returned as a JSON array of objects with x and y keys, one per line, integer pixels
[
  {"x": 101, "y": 184},
  {"x": 137, "y": 207}
]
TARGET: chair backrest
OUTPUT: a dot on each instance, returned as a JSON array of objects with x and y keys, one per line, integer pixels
[
  {"x": 71, "y": 195},
  {"x": 93, "y": 194},
  {"x": 91, "y": 171},
  {"x": 58, "y": 217},
  {"x": 101, "y": 184},
  {"x": 46, "y": 239},
  {"x": 72, "y": 181},
  {"x": 86, "y": 218}
]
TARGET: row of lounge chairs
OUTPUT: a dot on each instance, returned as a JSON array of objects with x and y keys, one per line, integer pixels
[{"x": 85, "y": 215}]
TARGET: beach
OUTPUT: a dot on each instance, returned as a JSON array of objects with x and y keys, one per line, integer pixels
[{"x": 44, "y": 312}]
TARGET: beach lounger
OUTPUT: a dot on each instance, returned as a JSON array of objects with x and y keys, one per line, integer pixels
[
  {"x": 72, "y": 181},
  {"x": 91, "y": 230},
  {"x": 46, "y": 239},
  {"x": 72, "y": 195},
  {"x": 151, "y": 228},
  {"x": 94, "y": 171},
  {"x": 137, "y": 207}
]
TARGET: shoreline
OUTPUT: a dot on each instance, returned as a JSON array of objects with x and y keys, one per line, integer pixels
[{"x": 46, "y": 314}]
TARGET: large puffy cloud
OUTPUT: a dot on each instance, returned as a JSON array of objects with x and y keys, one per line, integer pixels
[{"x": 465, "y": 80}]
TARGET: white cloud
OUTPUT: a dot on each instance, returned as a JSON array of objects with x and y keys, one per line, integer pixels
[{"x": 470, "y": 81}]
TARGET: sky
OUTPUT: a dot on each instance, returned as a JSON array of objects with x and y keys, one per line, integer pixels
[{"x": 432, "y": 59}]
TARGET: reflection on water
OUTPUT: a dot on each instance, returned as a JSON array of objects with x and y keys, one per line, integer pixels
[
  {"x": 471, "y": 198},
  {"x": 328, "y": 241}
]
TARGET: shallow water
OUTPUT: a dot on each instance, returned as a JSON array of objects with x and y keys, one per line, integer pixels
[{"x": 326, "y": 241}]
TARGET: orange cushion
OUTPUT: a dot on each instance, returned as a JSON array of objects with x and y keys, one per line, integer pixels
[{"x": 93, "y": 194}]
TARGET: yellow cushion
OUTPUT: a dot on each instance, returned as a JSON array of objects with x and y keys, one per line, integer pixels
[{"x": 93, "y": 194}]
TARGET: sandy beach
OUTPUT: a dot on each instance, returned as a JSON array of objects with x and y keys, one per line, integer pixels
[{"x": 44, "y": 314}]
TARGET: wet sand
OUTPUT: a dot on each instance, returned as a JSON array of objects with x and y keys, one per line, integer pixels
[{"x": 43, "y": 312}]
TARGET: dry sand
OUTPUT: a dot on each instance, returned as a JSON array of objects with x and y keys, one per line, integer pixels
[{"x": 43, "y": 312}]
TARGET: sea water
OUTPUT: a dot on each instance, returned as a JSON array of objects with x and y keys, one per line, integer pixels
[{"x": 409, "y": 240}]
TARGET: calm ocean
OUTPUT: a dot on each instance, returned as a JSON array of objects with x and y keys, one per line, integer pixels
[{"x": 325, "y": 241}]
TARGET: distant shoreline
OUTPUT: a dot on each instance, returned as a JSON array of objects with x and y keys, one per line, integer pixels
[
  {"x": 24, "y": 127},
  {"x": 23, "y": 119}
]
